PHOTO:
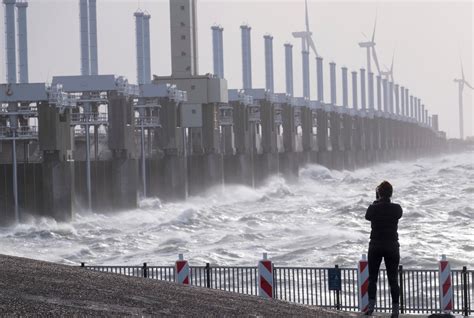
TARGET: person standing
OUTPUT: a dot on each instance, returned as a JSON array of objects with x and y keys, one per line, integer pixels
[{"x": 383, "y": 216}]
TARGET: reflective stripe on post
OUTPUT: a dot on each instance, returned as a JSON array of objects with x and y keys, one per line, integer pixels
[
  {"x": 445, "y": 285},
  {"x": 181, "y": 271},
  {"x": 363, "y": 280},
  {"x": 265, "y": 277}
]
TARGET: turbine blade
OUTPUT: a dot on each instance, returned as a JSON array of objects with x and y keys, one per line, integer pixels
[
  {"x": 462, "y": 68},
  {"x": 375, "y": 27},
  {"x": 310, "y": 41},
  {"x": 365, "y": 36},
  {"x": 306, "y": 13},
  {"x": 468, "y": 85},
  {"x": 374, "y": 54},
  {"x": 393, "y": 57}
]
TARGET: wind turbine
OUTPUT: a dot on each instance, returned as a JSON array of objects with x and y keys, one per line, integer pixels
[
  {"x": 371, "y": 53},
  {"x": 461, "y": 82},
  {"x": 388, "y": 73},
  {"x": 306, "y": 43}
]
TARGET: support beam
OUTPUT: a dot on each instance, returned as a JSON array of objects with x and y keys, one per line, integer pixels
[
  {"x": 320, "y": 78},
  {"x": 84, "y": 29},
  {"x": 10, "y": 44},
  {"x": 354, "y": 91},
  {"x": 22, "y": 42},
  {"x": 217, "y": 51},
  {"x": 345, "y": 94},
  {"x": 363, "y": 100},
  {"x": 246, "y": 57},
  {"x": 93, "y": 37},
  {"x": 289, "y": 68},
  {"x": 332, "y": 78},
  {"x": 140, "y": 47},
  {"x": 379, "y": 93},
  {"x": 370, "y": 82},
  {"x": 305, "y": 72},
  {"x": 269, "y": 83},
  {"x": 146, "y": 49}
]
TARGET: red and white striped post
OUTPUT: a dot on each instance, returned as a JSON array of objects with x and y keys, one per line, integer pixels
[
  {"x": 181, "y": 270},
  {"x": 363, "y": 280},
  {"x": 265, "y": 277},
  {"x": 445, "y": 285}
]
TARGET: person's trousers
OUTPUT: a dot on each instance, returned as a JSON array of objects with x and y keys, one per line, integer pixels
[{"x": 390, "y": 252}]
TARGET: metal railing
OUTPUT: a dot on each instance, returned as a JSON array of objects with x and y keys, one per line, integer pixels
[
  {"x": 89, "y": 119},
  {"x": 147, "y": 122},
  {"x": 419, "y": 289}
]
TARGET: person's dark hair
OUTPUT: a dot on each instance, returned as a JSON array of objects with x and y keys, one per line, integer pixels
[{"x": 385, "y": 190}]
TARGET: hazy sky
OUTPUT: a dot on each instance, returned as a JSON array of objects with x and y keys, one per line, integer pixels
[{"x": 428, "y": 38}]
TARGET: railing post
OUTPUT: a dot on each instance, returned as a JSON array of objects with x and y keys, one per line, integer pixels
[
  {"x": 466, "y": 305},
  {"x": 265, "y": 277},
  {"x": 363, "y": 283},
  {"x": 402, "y": 296},
  {"x": 208, "y": 275},
  {"x": 145, "y": 270},
  {"x": 181, "y": 270},
  {"x": 445, "y": 285},
  {"x": 338, "y": 301}
]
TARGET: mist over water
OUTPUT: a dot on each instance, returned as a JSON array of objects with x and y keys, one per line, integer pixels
[{"x": 318, "y": 221}]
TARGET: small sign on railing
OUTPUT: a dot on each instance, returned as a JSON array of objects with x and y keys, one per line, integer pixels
[{"x": 334, "y": 278}]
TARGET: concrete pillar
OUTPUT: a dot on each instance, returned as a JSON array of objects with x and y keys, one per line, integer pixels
[
  {"x": 289, "y": 128},
  {"x": 307, "y": 128},
  {"x": 348, "y": 139},
  {"x": 379, "y": 93},
  {"x": 363, "y": 102},
  {"x": 407, "y": 102},
  {"x": 289, "y": 68},
  {"x": 370, "y": 83},
  {"x": 124, "y": 183},
  {"x": 319, "y": 73},
  {"x": 345, "y": 95},
  {"x": 397, "y": 99},
  {"x": 402, "y": 100},
  {"x": 386, "y": 106},
  {"x": 55, "y": 142},
  {"x": 217, "y": 51},
  {"x": 269, "y": 85},
  {"x": 246, "y": 57},
  {"x": 390, "y": 97},
  {"x": 324, "y": 146},
  {"x": 305, "y": 72},
  {"x": 419, "y": 109},
  {"x": 140, "y": 52},
  {"x": 336, "y": 139},
  {"x": 22, "y": 42},
  {"x": 147, "y": 48},
  {"x": 267, "y": 120},
  {"x": 332, "y": 77},
  {"x": 84, "y": 32},
  {"x": 93, "y": 37},
  {"x": 354, "y": 90}
]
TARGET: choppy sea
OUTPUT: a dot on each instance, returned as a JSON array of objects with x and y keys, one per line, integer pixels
[{"x": 317, "y": 221}]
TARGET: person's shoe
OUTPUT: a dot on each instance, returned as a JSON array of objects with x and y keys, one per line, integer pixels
[
  {"x": 395, "y": 310},
  {"x": 371, "y": 308}
]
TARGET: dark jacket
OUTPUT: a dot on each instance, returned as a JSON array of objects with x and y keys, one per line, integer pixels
[{"x": 384, "y": 217}]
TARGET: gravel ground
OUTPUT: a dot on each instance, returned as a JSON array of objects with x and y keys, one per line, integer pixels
[{"x": 35, "y": 288}]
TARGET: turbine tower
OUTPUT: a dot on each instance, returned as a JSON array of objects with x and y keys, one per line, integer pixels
[
  {"x": 306, "y": 43},
  {"x": 461, "y": 82},
  {"x": 371, "y": 53}
]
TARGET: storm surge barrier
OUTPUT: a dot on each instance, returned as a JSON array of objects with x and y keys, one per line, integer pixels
[{"x": 419, "y": 288}]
